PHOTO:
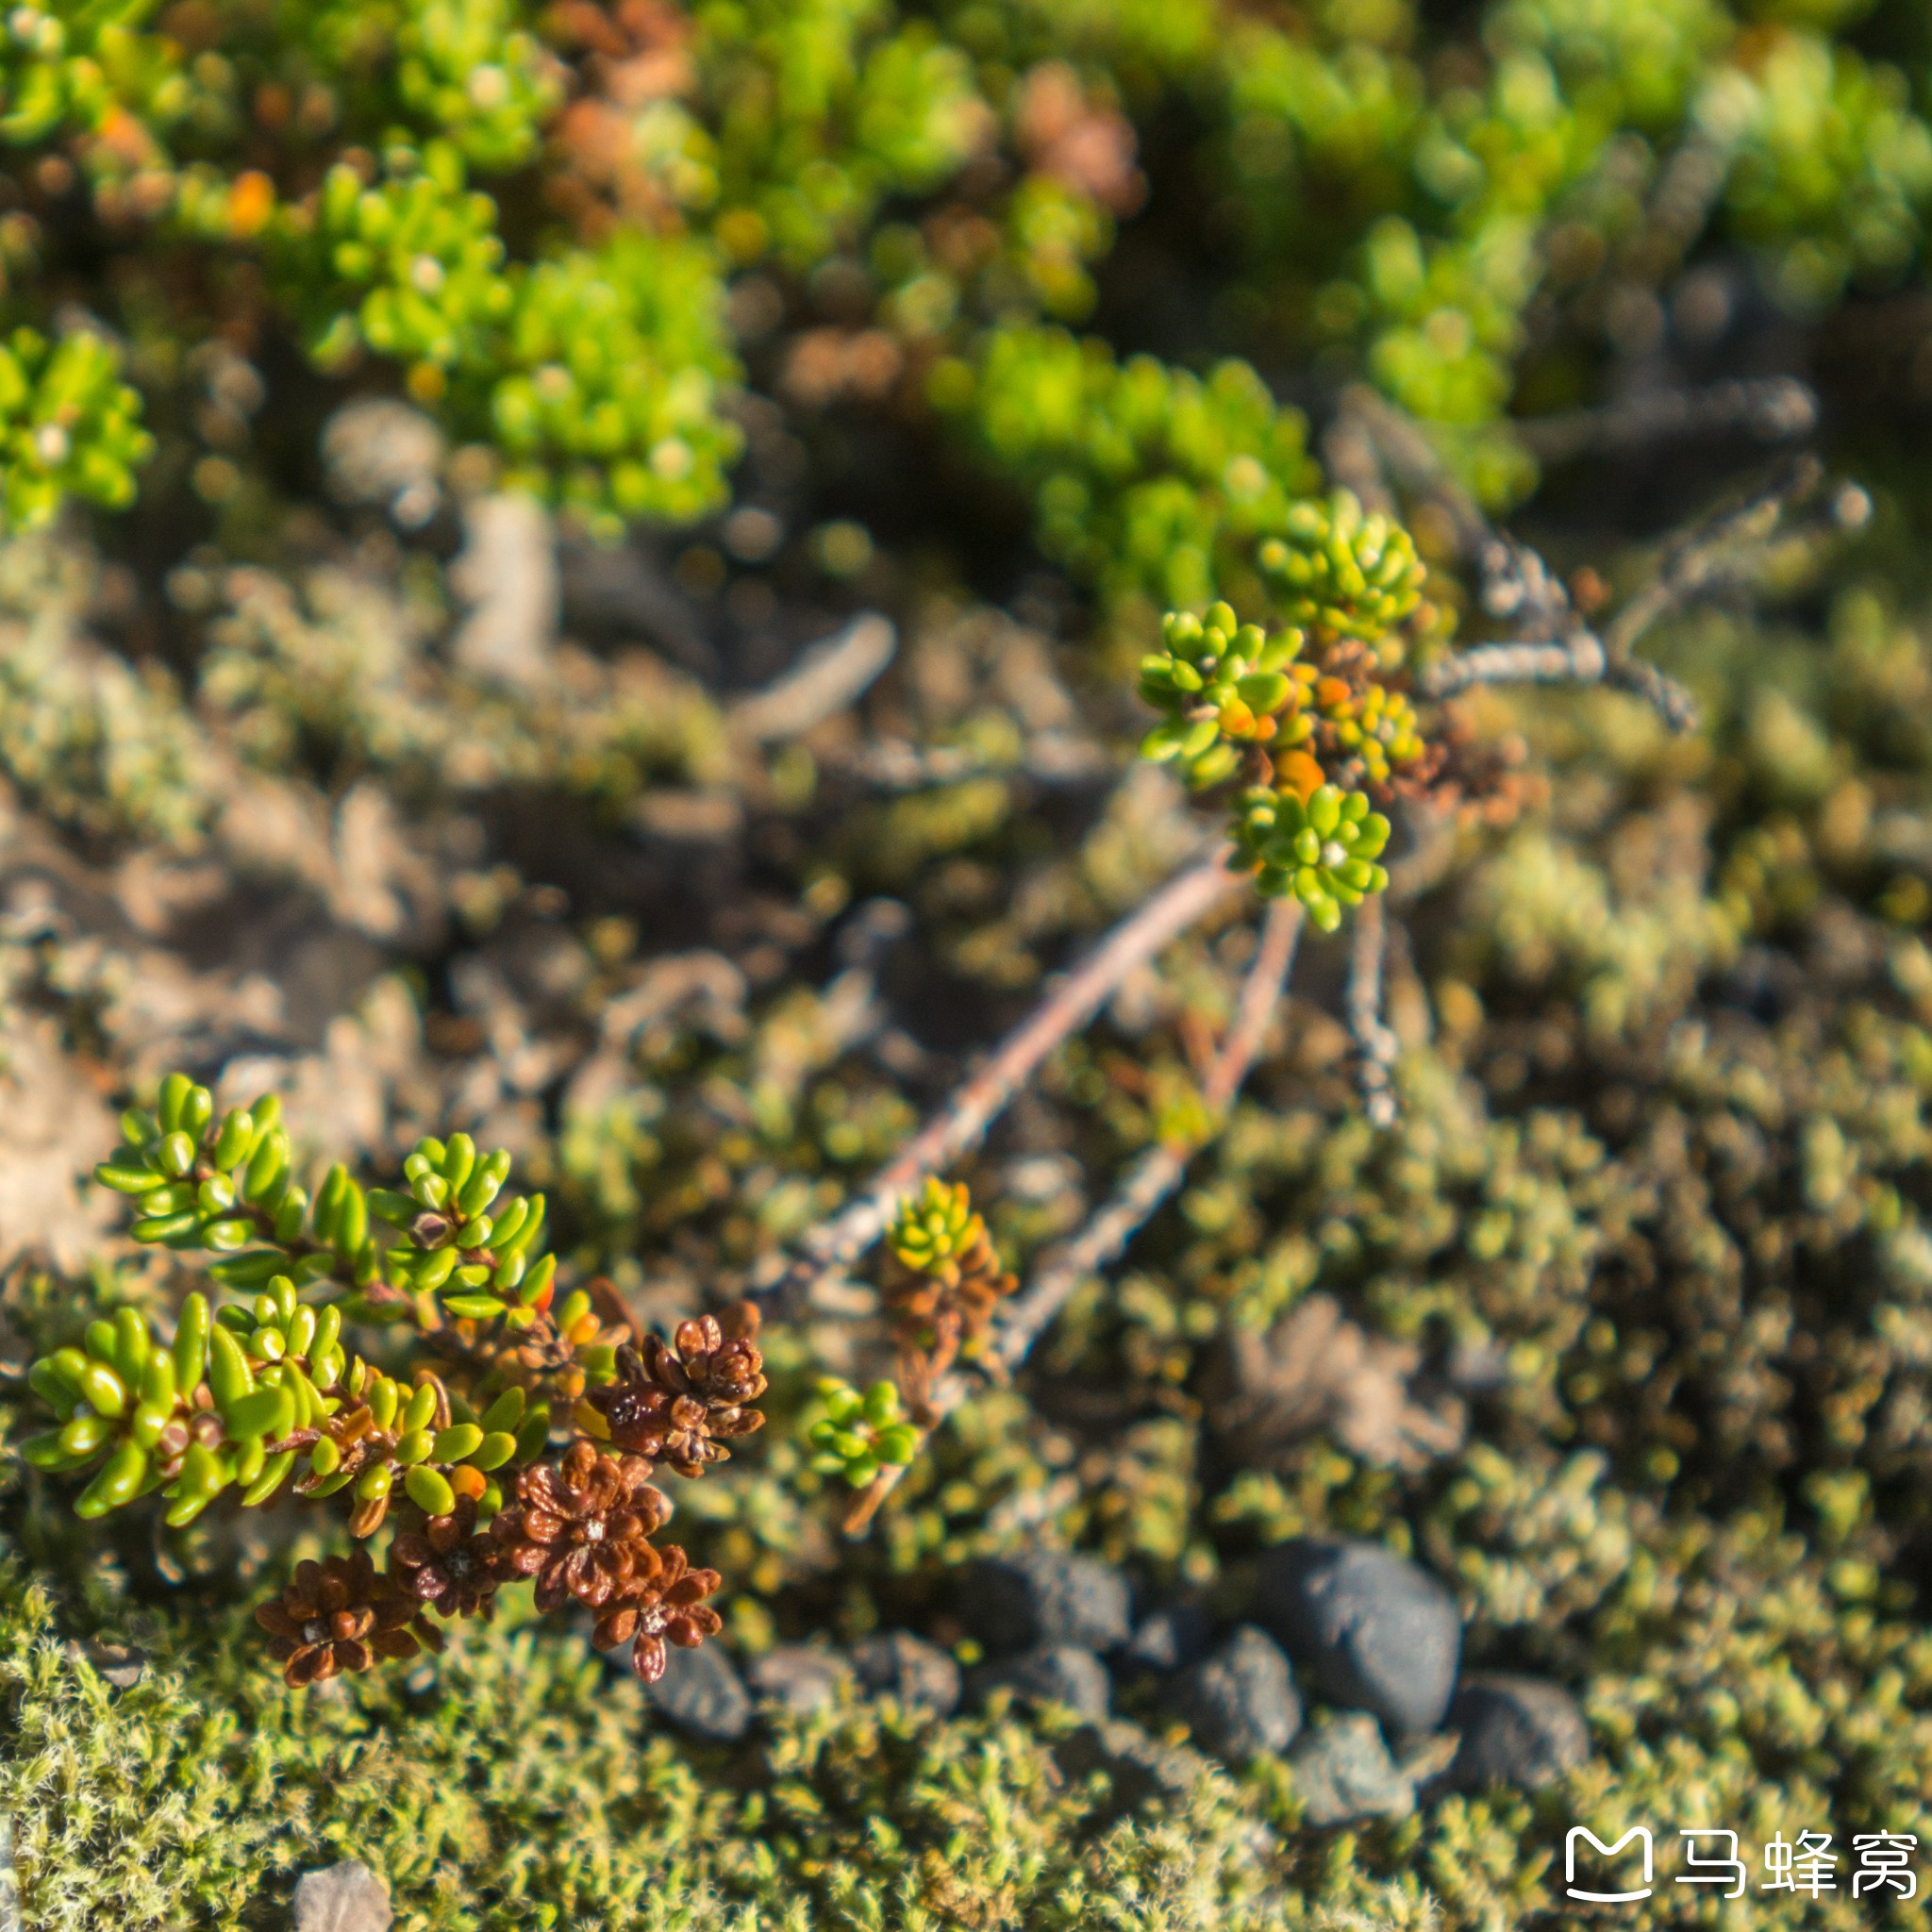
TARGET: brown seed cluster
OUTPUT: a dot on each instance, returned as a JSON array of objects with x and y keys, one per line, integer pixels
[
  {"x": 580, "y": 1528},
  {"x": 939, "y": 1310},
  {"x": 659, "y": 1606},
  {"x": 451, "y": 1566},
  {"x": 340, "y": 1616},
  {"x": 679, "y": 1402}
]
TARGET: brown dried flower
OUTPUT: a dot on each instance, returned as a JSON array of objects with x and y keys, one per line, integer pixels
[
  {"x": 338, "y": 1615},
  {"x": 452, "y": 1567},
  {"x": 662, "y": 1606},
  {"x": 677, "y": 1402},
  {"x": 581, "y": 1527},
  {"x": 363, "y": 1445},
  {"x": 937, "y": 1313}
]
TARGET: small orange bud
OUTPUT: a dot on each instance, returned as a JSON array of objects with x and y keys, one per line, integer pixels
[
  {"x": 251, "y": 202},
  {"x": 1299, "y": 774},
  {"x": 468, "y": 1481}
]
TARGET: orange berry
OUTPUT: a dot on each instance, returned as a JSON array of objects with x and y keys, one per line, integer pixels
[
  {"x": 251, "y": 202},
  {"x": 1298, "y": 773}
]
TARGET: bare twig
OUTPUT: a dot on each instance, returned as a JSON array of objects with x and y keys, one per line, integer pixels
[
  {"x": 1712, "y": 552},
  {"x": 1678, "y": 211},
  {"x": 1577, "y": 660},
  {"x": 1148, "y": 1182},
  {"x": 958, "y": 1127},
  {"x": 1581, "y": 659},
  {"x": 1155, "y": 1175},
  {"x": 833, "y": 673},
  {"x": 1516, "y": 583},
  {"x": 895, "y": 764},
  {"x": 1375, "y": 1043},
  {"x": 1412, "y": 461},
  {"x": 1774, "y": 409}
]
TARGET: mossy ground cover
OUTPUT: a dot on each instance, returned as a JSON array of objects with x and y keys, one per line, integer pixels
[{"x": 432, "y": 440}]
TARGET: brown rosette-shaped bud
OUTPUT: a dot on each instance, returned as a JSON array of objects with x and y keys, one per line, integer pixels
[
  {"x": 581, "y": 1527},
  {"x": 718, "y": 1363},
  {"x": 361, "y": 1444},
  {"x": 340, "y": 1615},
  {"x": 677, "y": 1402},
  {"x": 938, "y": 1313},
  {"x": 663, "y": 1605},
  {"x": 452, "y": 1567}
]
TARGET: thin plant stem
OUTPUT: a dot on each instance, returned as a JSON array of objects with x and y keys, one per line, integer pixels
[
  {"x": 959, "y": 1124},
  {"x": 1147, "y": 1183}
]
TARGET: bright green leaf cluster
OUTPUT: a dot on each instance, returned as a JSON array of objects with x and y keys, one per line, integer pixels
[
  {"x": 69, "y": 426},
  {"x": 1223, "y": 684},
  {"x": 1323, "y": 850},
  {"x": 610, "y": 376},
  {"x": 1351, "y": 573},
  {"x": 199, "y": 1183},
  {"x": 460, "y": 1240},
  {"x": 934, "y": 1227},
  {"x": 466, "y": 67},
  {"x": 77, "y": 65},
  {"x": 414, "y": 263},
  {"x": 1833, "y": 170},
  {"x": 243, "y": 1393},
  {"x": 822, "y": 116},
  {"x": 858, "y": 1435},
  {"x": 1152, "y": 481},
  {"x": 212, "y": 1409}
]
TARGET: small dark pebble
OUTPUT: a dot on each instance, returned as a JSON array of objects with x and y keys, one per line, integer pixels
[
  {"x": 119, "y": 1664},
  {"x": 1170, "y": 1637},
  {"x": 702, "y": 1696},
  {"x": 1374, "y": 1631},
  {"x": 1515, "y": 1730},
  {"x": 1053, "y": 1674},
  {"x": 1240, "y": 1700},
  {"x": 1342, "y": 1771},
  {"x": 919, "y": 1675},
  {"x": 1138, "y": 1767},
  {"x": 1044, "y": 1596},
  {"x": 798, "y": 1676}
]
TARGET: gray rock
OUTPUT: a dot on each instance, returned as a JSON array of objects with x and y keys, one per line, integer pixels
[
  {"x": 702, "y": 1696},
  {"x": 1240, "y": 1700},
  {"x": 348, "y": 1897},
  {"x": 1042, "y": 1597},
  {"x": 1342, "y": 1771},
  {"x": 1170, "y": 1639},
  {"x": 798, "y": 1677},
  {"x": 1138, "y": 1767},
  {"x": 1515, "y": 1730},
  {"x": 1053, "y": 1674},
  {"x": 1374, "y": 1631},
  {"x": 119, "y": 1664},
  {"x": 919, "y": 1675}
]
